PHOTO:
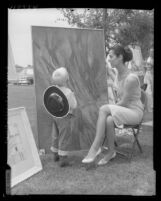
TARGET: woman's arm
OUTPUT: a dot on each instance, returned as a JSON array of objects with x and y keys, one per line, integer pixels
[{"x": 72, "y": 100}]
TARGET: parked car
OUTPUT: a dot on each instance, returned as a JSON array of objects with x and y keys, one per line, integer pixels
[
  {"x": 23, "y": 81},
  {"x": 30, "y": 80}
]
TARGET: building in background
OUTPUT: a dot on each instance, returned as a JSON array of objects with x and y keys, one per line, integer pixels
[{"x": 25, "y": 74}]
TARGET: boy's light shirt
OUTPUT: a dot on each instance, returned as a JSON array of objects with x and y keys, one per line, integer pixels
[{"x": 70, "y": 97}]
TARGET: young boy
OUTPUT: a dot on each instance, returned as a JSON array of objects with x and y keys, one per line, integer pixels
[{"x": 65, "y": 137}]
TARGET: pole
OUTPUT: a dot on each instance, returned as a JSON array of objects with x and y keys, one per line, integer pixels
[{"x": 105, "y": 24}]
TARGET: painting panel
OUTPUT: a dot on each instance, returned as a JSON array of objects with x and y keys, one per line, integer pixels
[{"x": 82, "y": 53}]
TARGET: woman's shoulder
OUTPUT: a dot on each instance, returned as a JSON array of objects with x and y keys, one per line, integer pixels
[
  {"x": 132, "y": 76},
  {"x": 132, "y": 79}
]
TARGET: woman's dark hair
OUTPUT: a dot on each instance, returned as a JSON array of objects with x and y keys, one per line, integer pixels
[{"x": 124, "y": 51}]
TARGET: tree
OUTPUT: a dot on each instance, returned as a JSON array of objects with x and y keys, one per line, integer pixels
[
  {"x": 124, "y": 26},
  {"x": 137, "y": 30},
  {"x": 88, "y": 18}
]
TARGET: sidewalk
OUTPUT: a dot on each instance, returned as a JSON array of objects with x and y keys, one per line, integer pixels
[{"x": 148, "y": 116}]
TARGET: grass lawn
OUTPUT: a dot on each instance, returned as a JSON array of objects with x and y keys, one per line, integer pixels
[{"x": 118, "y": 177}]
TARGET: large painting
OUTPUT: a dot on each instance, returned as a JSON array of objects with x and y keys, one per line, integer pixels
[{"x": 82, "y": 53}]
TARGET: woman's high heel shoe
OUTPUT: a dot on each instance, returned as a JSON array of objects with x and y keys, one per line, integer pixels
[
  {"x": 103, "y": 161},
  {"x": 90, "y": 160}
]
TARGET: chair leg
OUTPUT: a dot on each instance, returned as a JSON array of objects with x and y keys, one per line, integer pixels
[
  {"x": 133, "y": 148},
  {"x": 116, "y": 145},
  {"x": 118, "y": 151},
  {"x": 139, "y": 145},
  {"x": 136, "y": 140}
]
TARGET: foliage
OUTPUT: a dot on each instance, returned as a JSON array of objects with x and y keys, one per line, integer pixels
[
  {"x": 137, "y": 30},
  {"x": 124, "y": 26}
]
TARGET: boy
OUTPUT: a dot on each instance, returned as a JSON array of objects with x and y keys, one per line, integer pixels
[{"x": 65, "y": 137}]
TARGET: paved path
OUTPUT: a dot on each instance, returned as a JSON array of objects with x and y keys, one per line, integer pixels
[{"x": 148, "y": 123}]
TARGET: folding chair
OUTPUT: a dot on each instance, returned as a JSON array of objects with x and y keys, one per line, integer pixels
[{"x": 135, "y": 129}]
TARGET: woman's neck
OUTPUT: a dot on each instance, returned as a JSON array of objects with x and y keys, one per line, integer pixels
[{"x": 122, "y": 70}]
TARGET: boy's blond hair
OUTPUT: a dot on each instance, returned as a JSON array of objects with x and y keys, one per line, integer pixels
[{"x": 60, "y": 76}]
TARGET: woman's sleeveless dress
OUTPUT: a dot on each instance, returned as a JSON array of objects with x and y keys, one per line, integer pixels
[{"x": 133, "y": 113}]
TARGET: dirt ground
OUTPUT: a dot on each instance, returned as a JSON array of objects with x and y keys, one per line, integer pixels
[{"x": 118, "y": 177}]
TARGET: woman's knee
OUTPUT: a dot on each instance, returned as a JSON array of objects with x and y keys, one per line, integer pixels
[
  {"x": 104, "y": 109},
  {"x": 109, "y": 120}
]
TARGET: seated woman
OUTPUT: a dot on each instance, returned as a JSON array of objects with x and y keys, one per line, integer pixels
[{"x": 128, "y": 110}]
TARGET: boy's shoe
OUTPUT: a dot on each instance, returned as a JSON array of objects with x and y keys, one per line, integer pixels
[
  {"x": 63, "y": 162},
  {"x": 55, "y": 156}
]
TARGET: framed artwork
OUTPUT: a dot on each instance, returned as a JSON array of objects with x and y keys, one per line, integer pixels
[{"x": 23, "y": 157}]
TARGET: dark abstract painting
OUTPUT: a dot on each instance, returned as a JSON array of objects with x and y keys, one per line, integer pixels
[{"x": 82, "y": 53}]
